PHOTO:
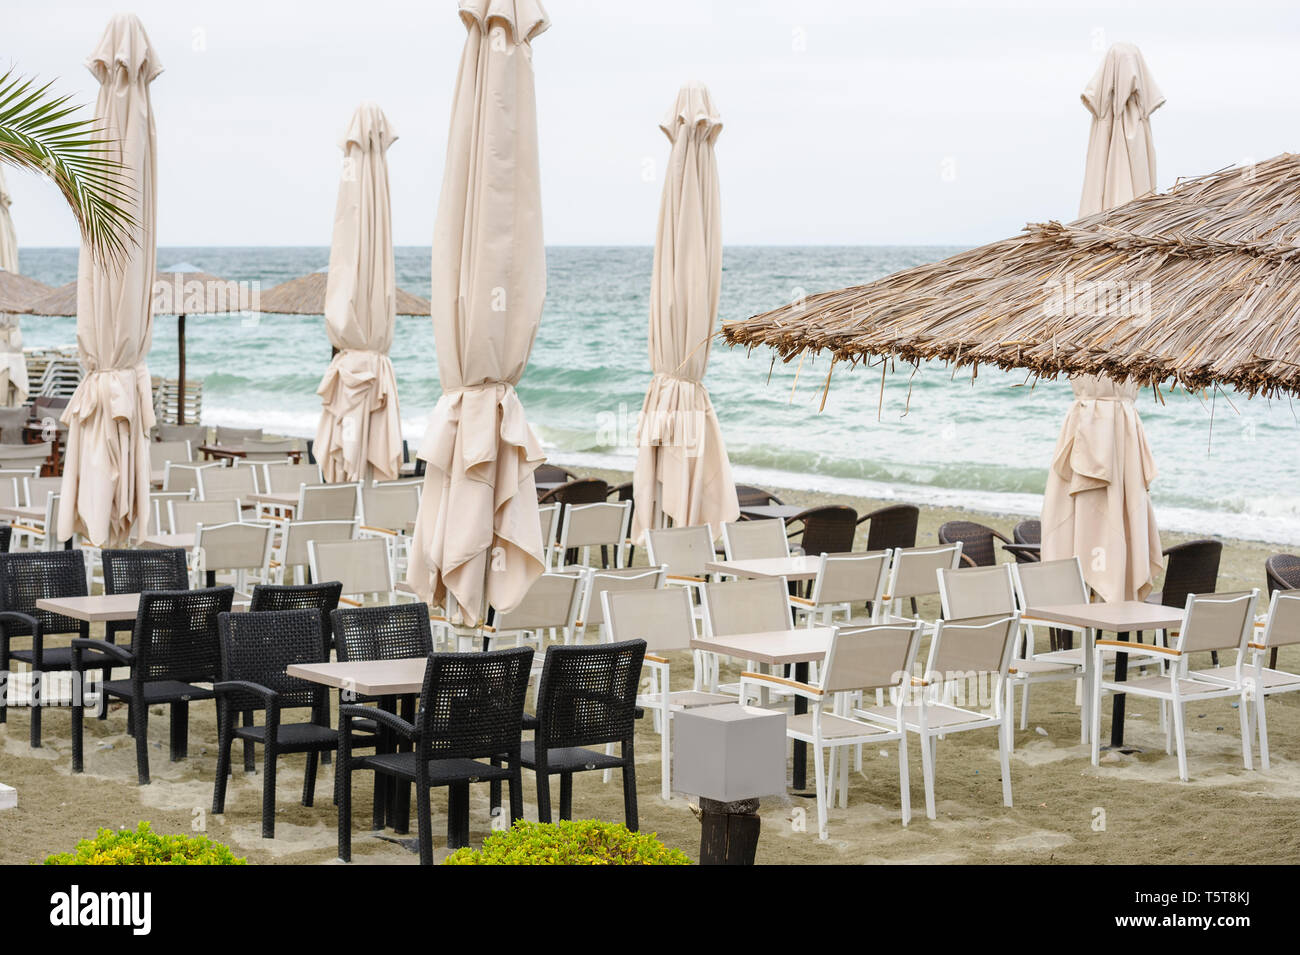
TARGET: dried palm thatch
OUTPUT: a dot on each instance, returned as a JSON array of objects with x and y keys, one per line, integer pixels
[
  {"x": 305, "y": 295},
  {"x": 1197, "y": 286},
  {"x": 173, "y": 291},
  {"x": 18, "y": 291}
]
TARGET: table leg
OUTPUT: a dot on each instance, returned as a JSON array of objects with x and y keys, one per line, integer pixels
[
  {"x": 800, "y": 748},
  {"x": 1117, "y": 705}
]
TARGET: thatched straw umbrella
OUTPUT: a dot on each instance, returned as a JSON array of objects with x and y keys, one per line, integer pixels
[
  {"x": 179, "y": 290},
  {"x": 305, "y": 295},
  {"x": 16, "y": 293},
  {"x": 1199, "y": 286}
]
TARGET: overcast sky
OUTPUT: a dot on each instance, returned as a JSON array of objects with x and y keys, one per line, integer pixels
[{"x": 844, "y": 122}]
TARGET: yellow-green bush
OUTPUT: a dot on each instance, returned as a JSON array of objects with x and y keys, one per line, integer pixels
[
  {"x": 145, "y": 847},
  {"x": 583, "y": 842}
]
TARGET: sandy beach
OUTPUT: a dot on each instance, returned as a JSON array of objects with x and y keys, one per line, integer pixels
[{"x": 1132, "y": 809}]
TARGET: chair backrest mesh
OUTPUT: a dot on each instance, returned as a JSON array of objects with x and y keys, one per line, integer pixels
[
  {"x": 588, "y": 525},
  {"x": 177, "y": 636},
  {"x": 547, "y": 515},
  {"x": 322, "y": 598},
  {"x": 1216, "y": 621},
  {"x": 160, "y": 452},
  {"x": 360, "y": 565},
  {"x": 29, "y": 576},
  {"x": 1283, "y": 619},
  {"x": 552, "y": 601},
  {"x": 1052, "y": 582},
  {"x": 759, "y": 605},
  {"x": 617, "y": 581},
  {"x": 662, "y": 618},
  {"x": 259, "y": 647},
  {"x": 186, "y": 516},
  {"x": 135, "y": 571},
  {"x": 868, "y": 658},
  {"x": 287, "y": 478},
  {"x": 915, "y": 569},
  {"x": 390, "y": 506},
  {"x": 328, "y": 502},
  {"x": 472, "y": 704},
  {"x": 851, "y": 578},
  {"x": 977, "y": 591},
  {"x": 296, "y": 534},
  {"x": 587, "y": 694},
  {"x": 395, "y": 632},
  {"x": 227, "y": 484},
  {"x": 756, "y": 540},
  {"x": 980, "y": 645},
  {"x": 684, "y": 549},
  {"x": 234, "y": 546}
]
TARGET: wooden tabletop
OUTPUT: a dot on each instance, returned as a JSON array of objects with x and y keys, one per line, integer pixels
[
  {"x": 800, "y": 645},
  {"x": 366, "y": 677},
  {"x": 155, "y": 541},
  {"x": 101, "y": 608},
  {"x": 767, "y": 511},
  {"x": 1121, "y": 616},
  {"x": 803, "y": 567}
]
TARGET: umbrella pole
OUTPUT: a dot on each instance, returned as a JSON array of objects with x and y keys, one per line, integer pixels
[{"x": 180, "y": 370}]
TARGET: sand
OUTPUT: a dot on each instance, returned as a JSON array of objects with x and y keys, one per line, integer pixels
[{"x": 1131, "y": 809}]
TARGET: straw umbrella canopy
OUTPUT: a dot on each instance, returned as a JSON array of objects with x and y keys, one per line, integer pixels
[
  {"x": 15, "y": 290},
  {"x": 1097, "y": 505},
  {"x": 477, "y": 534},
  {"x": 682, "y": 470},
  {"x": 106, "y": 470},
  {"x": 1198, "y": 286},
  {"x": 305, "y": 295},
  {"x": 360, "y": 430}
]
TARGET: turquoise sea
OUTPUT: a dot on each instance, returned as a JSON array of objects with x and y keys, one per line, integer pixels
[{"x": 1228, "y": 465}]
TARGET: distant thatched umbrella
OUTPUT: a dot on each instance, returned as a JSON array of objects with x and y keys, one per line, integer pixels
[
  {"x": 17, "y": 292},
  {"x": 1199, "y": 286},
  {"x": 179, "y": 290},
  {"x": 305, "y": 295}
]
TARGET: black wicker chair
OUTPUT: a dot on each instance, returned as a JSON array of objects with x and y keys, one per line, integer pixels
[
  {"x": 175, "y": 646},
  {"x": 256, "y": 649},
  {"x": 1282, "y": 572},
  {"x": 826, "y": 530},
  {"x": 25, "y": 578},
  {"x": 586, "y": 697},
  {"x": 135, "y": 571},
  {"x": 472, "y": 709},
  {"x": 976, "y": 541},
  {"x": 891, "y": 527},
  {"x": 6, "y": 537},
  {"x": 551, "y": 473},
  {"x": 323, "y": 598}
]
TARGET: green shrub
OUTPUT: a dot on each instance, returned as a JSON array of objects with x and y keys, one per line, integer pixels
[
  {"x": 584, "y": 842},
  {"x": 145, "y": 847}
]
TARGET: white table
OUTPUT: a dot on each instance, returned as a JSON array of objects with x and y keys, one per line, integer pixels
[
  {"x": 102, "y": 608},
  {"x": 801, "y": 567}
]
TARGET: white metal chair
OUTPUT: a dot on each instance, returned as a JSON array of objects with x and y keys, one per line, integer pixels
[
  {"x": 235, "y": 437},
  {"x": 10, "y": 492},
  {"x": 665, "y": 620},
  {"x": 912, "y": 575},
  {"x": 755, "y": 540},
  {"x": 160, "y": 452},
  {"x": 184, "y": 477},
  {"x": 860, "y": 660},
  {"x": 616, "y": 580},
  {"x": 385, "y": 511},
  {"x": 35, "y": 489},
  {"x": 287, "y": 478},
  {"x": 548, "y": 514},
  {"x": 328, "y": 502},
  {"x": 160, "y": 515},
  {"x": 241, "y": 548},
  {"x": 552, "y": 603},
  {"x": 685, "y": 551},
  {"x": 227, "y": 484},
  {"x": 269, "y": 450},
  {"x": 1211, "y": 622},
  {"x": 603, "y": 524},
  {"x": 729, "y": 608},
  {"x": 24, "y": 456},
  {"x": 363, "y": 567},
  {"x": 184, "y": 517},
  {"x": 989, "y": 591},
  {"x": 965, "y": 655},
  {"x": 41, "y": 533},
  {"x": 844, "y": 580},
  {"x": 291, "y": 556}
]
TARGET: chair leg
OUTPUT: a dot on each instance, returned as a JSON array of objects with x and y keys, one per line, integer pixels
[
  {"x": 665, "y": 755},
  {"x": 457, "y": 815},
  {"x": 224, "y": 744},
  {"x": 927, "y": 772},
  {"x": 38, "y": 679},
  {"x": 380, "y": 802},
  {"x": 819, "y": 771},
  {"x": 844, "y": 780},
  {"x": 78, "y": 731},
  {"x": 629, "y": 787},
  {"x": 1263, "y": 731},
  {"x": 270, "y": 757},
  {"x": 1024, "y": 708},
  {"x": 1180, "y": 739},
  {"x": 516, "y": 793},
  {"x": 180, "y": 730},
  {"x": 566, "y": 795},
  {"x": 904, "y": 781},
  {"x": 1247, "y": 743},
  {"x": 1004, "y": 755},
  {"x": 141, "y": 741},
  {"x": 543, "y": 794},
  {"x": 309, "y": 779},
  {"x": 424, "y": 820},
  {"x": 401, "y": 821},
  {"x": 1094, "y": 713},
  {"x": 250, "y": 760},
  {"x": 343, "y": 791}
]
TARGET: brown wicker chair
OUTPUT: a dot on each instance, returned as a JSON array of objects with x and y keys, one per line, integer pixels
[
  {"x": 891, "y": 527},
  {"x": 747, "y": 495},
  {"x": 1282, "y": 571},
  {"x": 550, "y": 473},
  {"x": 826, "y": 530},
  {"x": 1191, "y": 568},
  {"x": 977, "y": 547},
  {"x": 1028, "y": 532}
]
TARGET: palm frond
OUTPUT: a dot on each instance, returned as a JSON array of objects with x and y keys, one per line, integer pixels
[{"x": 41, "y": 131}]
